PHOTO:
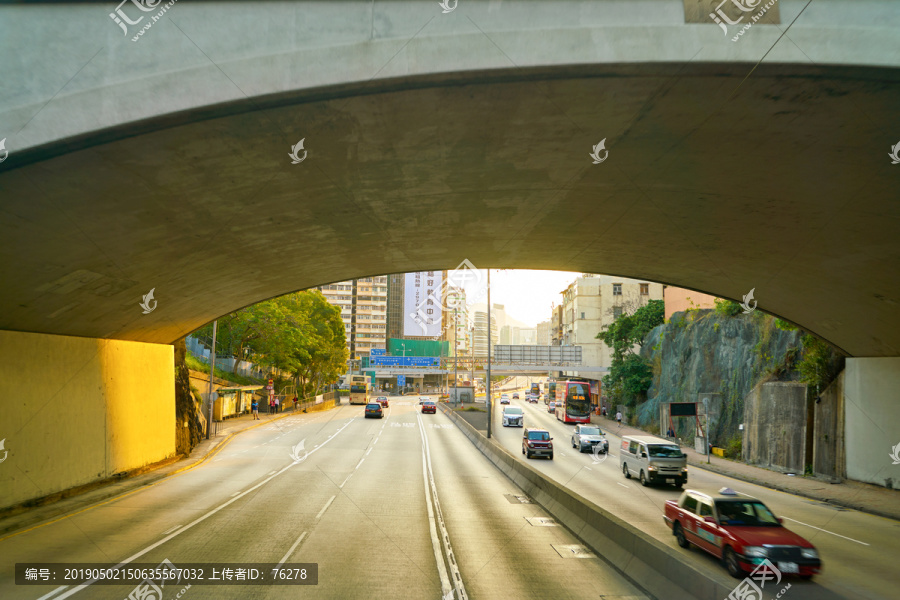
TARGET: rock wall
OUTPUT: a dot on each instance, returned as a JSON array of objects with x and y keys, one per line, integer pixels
[{"x": 700, "y": 351}]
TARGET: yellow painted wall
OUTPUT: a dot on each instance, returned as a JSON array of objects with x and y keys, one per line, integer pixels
[{"x": 76, "y": 410}]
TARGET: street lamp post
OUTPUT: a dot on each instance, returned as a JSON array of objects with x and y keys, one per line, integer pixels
[
  {"x": 212, "y": 372},
  {"x": 456, "y": 353},
  {"x": 489, "y": 403}
]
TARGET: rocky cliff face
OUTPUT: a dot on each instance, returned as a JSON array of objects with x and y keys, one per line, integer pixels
[
  {"x": 188, "y": 426},
  {"x": 700, "y": 351}
]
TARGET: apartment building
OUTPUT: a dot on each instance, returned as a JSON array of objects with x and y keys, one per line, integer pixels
[
  {"x": 590, "y": 304},
  {"x": 363, "y": 304},
  {"x": 456, "y": 321}
]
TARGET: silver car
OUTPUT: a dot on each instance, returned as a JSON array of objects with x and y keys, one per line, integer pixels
[
  {"x": 585, "y": 437},
  {"x": 513, "y": 416}
]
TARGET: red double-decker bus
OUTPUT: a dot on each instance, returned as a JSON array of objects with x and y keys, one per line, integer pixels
[{"x": 573, "y": 401}]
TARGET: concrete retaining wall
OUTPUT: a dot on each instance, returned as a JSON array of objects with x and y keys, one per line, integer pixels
[
  {"x": 652, "y": 565},
  {"x": 828, "y": 435},
  {"x": 775, "y": 426},
  {"x": 78, "y": 410}
]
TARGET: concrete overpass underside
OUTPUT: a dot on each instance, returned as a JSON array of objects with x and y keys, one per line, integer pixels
[{"x": 779, "y": 182}]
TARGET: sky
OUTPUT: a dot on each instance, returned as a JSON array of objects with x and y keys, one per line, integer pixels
[{"x": 527, "y": 295}]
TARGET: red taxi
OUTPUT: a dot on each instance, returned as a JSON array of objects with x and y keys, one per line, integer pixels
[
  {"x": 429, "y": 407},
  {"x": 741, "y": 531}
]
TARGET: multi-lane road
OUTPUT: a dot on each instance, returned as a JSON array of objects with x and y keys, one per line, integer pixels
[
  {"x": 401, "y": 507},
  {"x": 858, "y": 550}
]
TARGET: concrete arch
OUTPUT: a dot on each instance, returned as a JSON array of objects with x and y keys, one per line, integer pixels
[{"x": 163, "y": 163}]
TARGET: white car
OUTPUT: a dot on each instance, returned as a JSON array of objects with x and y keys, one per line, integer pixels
[{"x": 513, "y": 416}]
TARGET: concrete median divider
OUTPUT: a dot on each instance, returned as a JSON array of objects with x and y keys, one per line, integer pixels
[{"x": 657, "y": 568}]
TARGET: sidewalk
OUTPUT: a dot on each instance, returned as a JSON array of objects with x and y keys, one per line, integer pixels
[
  {"x": 850, "y": 494},
  {"x": 27, "y": 518}
]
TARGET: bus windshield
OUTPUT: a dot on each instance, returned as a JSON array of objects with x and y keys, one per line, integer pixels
[{"x": 578, "y": 400}]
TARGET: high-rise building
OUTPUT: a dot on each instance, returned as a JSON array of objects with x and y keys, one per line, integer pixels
[
  {"x": 456, "y": 321},
  {"x": 480, "y": 341},
  {"x": 395, "y": 305},
  {"x": 506, "y": 335},
  {"x": 543, "y": 333},
  {"x": 363, "y": 304}
]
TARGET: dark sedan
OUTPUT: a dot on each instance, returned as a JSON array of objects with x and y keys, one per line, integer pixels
[{"x": 374, "y": 410}]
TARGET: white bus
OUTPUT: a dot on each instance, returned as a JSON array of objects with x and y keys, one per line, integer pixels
[{"x": 360, "y": 388}]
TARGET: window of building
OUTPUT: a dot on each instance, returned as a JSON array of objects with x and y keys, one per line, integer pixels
[
  {"x": 582, "y": 315},
  {"x": 617, "y": 289},
  {"x": 645, "y": 289},
  {"x": 617, "y": 312}
]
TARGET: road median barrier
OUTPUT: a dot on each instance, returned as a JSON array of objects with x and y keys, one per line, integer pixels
[{"x": 660, "y": 570}]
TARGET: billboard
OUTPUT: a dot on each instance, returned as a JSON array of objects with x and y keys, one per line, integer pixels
[
  {"x": 683, "y": 409},
  {"x": 537, "y": 355},
  {"x": 422, "y": 304}
]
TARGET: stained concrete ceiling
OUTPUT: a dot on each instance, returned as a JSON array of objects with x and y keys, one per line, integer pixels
[{"x": 715, "y": 182}]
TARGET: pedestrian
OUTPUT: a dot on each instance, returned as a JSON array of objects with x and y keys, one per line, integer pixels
[
  {"x": 254, "y": 406},
  {"x": 603, "y": 411},
  {"x": 619, "y": 418},
  {"x": 271, "y": 406},
  {"x": 277, "y": 405},
  {"x": 296, "y": 401},
  {"x": 670, "y": 433}
]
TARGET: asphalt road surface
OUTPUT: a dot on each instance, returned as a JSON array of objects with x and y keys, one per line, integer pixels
[
  {"x": 858, "y": 550},
  {"x": 399, "y": 507}
]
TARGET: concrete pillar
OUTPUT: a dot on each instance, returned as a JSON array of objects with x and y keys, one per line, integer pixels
[
  {"x": 872, "y": 419},
  {"x": 78, "y": 410}
]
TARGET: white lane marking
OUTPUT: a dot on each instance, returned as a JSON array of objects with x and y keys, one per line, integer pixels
[
  {"x": 436, "y": 515},
  {"x": 367, "y": 451},
  {"x": 622, "y": 484},
  {"x": 168, "y": 531},
  {"x": 826, "y": 531},
  {"x": 235, "y": 494},
  {"x": 589, "y": 469},
  {"x": 446, "y": 589},
  {"x": 53, "y": 593},
  {"x": 270, "y": 472},
  {"x": 291, "y": 551},
  {"x": 196, "y": 521},
  {"x": 359, "y": 463},
  {"x": 324, "y": 508},
  {"x": 346, "y": 480}
]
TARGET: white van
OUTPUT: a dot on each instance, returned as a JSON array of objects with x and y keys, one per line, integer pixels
[{"x": 653, "y": 460}]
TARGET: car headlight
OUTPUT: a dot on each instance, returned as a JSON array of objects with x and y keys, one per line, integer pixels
[
  {"x": 651, "y": 468},
  {"x": 809, "y": 553},
  {"x": 756, "y": 551}
]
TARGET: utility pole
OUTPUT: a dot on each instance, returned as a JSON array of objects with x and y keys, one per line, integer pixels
[
  {"x": 456, "y": 352},
  {"x": 488, "y": 389},
  {"x": 212, "y": 371}
]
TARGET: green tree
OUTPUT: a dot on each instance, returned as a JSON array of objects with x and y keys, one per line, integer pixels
[
  {"x": 318, "y": 353},
  {"x": 300, "y": 333},
  {"x": 629, "y": 375},
  {"x": 727, "y": 308}
]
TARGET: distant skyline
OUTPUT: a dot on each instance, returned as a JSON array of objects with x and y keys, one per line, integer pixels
[{"x": 527, "y": 295}]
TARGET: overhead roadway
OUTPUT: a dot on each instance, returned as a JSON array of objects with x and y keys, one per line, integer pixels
[
  {"x": 498, "y": 369},
  {"x": 432, "y": 138}
]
